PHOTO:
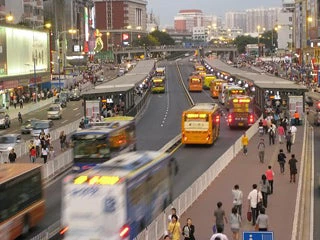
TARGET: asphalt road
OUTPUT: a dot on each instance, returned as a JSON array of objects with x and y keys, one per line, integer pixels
[{"x": 160, "y": 122}]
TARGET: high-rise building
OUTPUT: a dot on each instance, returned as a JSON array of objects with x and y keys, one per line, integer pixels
[
  {"x": 28, "y": 13},
  {"x": 285, "y": 24},
  {"x": 121, "y": 21},
  {"x": 187, "y": 19},
  {"x": 236, "y": 20},
  {"x": 265, "y": 18}
]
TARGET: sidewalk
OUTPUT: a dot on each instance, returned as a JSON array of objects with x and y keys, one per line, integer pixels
[{"x": 245, "y": 171}]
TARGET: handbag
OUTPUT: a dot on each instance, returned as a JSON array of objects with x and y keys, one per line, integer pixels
[
  {"x": 171, "y": 233},
  {"x": 268, "y": 190},
  {"x": 249, "y": 216},
  {"x": 214, "y": 228}
]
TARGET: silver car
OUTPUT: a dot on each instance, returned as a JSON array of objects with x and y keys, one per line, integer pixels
[
  {"x": 44, "y": 125},
  {"x": 9, "y": 141},
  {"x": 54, "y": 112}
]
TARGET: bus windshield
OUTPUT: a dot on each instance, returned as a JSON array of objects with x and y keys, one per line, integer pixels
[
  {"x": 236, "y": 92},
  {"x": 91, "y": 146},
  {"x": 195, "y": 80},
  {"x": 241, "y": 105}
]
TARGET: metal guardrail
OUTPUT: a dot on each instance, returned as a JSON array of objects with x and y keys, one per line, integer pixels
[{"x": 156, "y": 229}]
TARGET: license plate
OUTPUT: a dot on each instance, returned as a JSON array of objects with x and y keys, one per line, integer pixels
[{"x": 240, "y": 124}]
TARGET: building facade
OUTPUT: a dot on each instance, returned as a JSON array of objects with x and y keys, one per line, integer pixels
[
  {"x": 236, "y": 20},
  {"x": 187, "y": 19},
  {"x": 265, "y": 18},
  {"x": 120, "y": 21}
]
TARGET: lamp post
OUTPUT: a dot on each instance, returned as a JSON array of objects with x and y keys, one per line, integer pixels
[
  {"x": 130, "y": 28},
  {"x": 8, "y": 18},
  {"x": 258, "y": 27},
  {"x": 309, "y": 20}
]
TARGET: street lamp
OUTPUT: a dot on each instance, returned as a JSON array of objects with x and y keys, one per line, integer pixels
[
  {"x": 130, "y": 28},
  {"x": 258, "y": 27},
  {"x": 108, "y": 35},
  {"x": 8, "y": 18}
]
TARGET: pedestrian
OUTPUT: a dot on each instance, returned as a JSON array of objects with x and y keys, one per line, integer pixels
[
  {"x": 173, "y": 212},
  {"x": 293, "y": 168},
  {"x": 62, "y": 139},
  {"x": 235, "y": 223},
  {"x": 281, "y": 133},
  {"x": 220, "y": 216},
  {"x": 262, "y": 221},
  {"x": 37, "y": 142},
  {"x": 293, "y": 129},
  {"x": 296, "y": 116},
  {"x": 188, "y": 230},
  {"x": 265, "y": 125},
  {"x": 12, "y": 156},
  {"x": 174, "y": 228},
  {"x": 271, "y": 135},
  {"x": 21, "y": 102},
  {"x": 219, "y": 235},
  {"x": 270, "y": 175},
  {"x": 237, "y": 198},
  {"x": 254, "y": 198},
  {"x": 284, "y": 123},
  {"x": 166, "y": 237},
  {"x": 33, "y": 154},
  {"x": 261, "y": 148},
  {"x": 15, "y": 102},
  {"x": 289, "y": 141},
  {"x": 44, "y": 154},
  {"x": 282, "y": 160},
  {"x": 52, "y": 153},
  {"x": 265, "y": 189},
  {"x": 245, "y": 142},
  {"x": 31, "y": 144}
]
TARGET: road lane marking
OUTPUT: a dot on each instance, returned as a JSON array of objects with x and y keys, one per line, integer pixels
[
  {"x": 78, "y": 114},
  {"x": 75, "y": 109},
  {"x": 64, "y": 121}
]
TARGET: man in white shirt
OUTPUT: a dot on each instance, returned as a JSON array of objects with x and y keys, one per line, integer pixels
[
  {"x": 219, "y": 235},
  {"x": 173, "y": 212},
  {"x": 293, "y": 130},
  {"x": 254, "y": 197}
]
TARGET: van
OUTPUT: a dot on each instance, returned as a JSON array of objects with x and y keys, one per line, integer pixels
[{"x": 45, "y": 125}]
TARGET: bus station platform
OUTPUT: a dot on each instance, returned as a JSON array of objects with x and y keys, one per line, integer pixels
[{"x": 246, "y": 170}]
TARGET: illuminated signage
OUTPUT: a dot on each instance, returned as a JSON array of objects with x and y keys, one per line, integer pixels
[
  {"x": 197, "y": 115},
  {"x": 125, "y": 37},
  {"x": 76, "y": 48},
  {"x": 86, "y": 24}
]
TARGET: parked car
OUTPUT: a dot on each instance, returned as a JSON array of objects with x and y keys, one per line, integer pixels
[
  {"x": 54, "y": 112},
  {"x": 9, "y": 141},
  {"x": 75, "y": 95},
  {"x": 308, "y": 101},
  {"x": 61, "y": 102},
  {"x": 27, "y": 125},
  {"x": 4, "y": 119},
  {"x": 45, "y": 125}
]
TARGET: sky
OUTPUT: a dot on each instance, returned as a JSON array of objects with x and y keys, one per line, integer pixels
[{"x": 167, "y": 9}]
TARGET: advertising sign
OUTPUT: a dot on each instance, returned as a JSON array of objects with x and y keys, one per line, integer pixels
[
  {"x": 257, "y": 236},
  {"x": 23, "y": 51}
]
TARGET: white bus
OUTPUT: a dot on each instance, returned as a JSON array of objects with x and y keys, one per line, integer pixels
[{"x": 119, "y": 198}]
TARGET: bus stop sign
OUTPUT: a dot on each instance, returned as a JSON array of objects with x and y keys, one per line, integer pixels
[{"x": 257, "y": 236}]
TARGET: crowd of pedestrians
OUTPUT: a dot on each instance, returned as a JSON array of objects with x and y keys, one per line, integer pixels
[{"x": 41, "y": 147}]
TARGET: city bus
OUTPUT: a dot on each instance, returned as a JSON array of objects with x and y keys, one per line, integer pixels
[
  {"x": 222, "y": 94},
  {"x": 231, "y": 91},
  {"x": 102, "y": 142},
  {"x": 201, "y": 124},
  {"x": 199, "y": 67},
  {"x": 241, "y": 112},
  {"x": 22, "y": 205},
  {"x": 160, "y": 71},
  {"x": 116, "y": 200},
  {"x": 195, "y": 83},
  {"x": 207, "y": 79},
  {"x": 216, "y": 87},
  {"x": 158, "y": 85}
]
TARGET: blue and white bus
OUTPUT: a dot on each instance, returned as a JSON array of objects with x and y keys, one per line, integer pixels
[
  {"x": 116, "y": 200},
  {"x": 103, "y": 141}
]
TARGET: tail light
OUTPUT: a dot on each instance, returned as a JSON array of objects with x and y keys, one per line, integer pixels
[
  {"x": 229, "y": 118},
  {"x": 217, "y": 119},
  {"x": 63, "y": 230},
  {"x": 208, "y": 137},
  {"x": 184, "y": 137},
  {"x": 251, "y": 118},
  {"x": 124, "y": 231}
]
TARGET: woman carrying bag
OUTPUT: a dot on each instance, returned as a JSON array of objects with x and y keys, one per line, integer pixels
[
  {"x": 188, "y": 230},
  {"x": 174, "y": 228}
]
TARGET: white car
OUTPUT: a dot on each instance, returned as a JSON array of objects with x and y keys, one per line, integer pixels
[
  {"x": 54, "y": 112},
  {"x": 9, "y": 141},
  {"x": 43, "y": 125}
]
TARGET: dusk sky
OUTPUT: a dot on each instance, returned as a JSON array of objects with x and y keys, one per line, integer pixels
[{"x": 167, "y": 9}]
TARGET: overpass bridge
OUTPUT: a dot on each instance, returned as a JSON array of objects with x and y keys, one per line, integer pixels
[{"x": 229, "y": 50}]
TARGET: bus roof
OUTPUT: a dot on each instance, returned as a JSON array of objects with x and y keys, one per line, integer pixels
[
  {"x": 10, "y": 171},
  {"x": 126, "y": 165},
  {"x": 204, "y": 107},
  {"x": 160, "y": 69}
]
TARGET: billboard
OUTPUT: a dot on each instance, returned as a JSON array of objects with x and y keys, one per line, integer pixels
[{"x": 22, "y": 51}]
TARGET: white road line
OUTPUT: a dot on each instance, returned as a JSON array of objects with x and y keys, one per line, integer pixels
[
  {"x": 312, "y": 188},
  {"x": 75, "y": 109},
  {"x": 78, "y": 114},
  {"x": 64, "y": 121}
]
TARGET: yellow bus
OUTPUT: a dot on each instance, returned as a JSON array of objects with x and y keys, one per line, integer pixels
[
  {"x": 199, "y": 67},
  {"x": 232, "y": 91},
  {"x": 201, "y": 124},
  {"x": 216, "y": 87},
  {"x": 158, "y": 85},
  {"x": 207, "y": 79},
  {"x": 22, "y": 205},
  {"x": 195, "y": 83}
]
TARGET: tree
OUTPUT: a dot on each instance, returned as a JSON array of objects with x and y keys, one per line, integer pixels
[
  {"x": 162, "y": 37},
  {"x": 242, "y": 41}
]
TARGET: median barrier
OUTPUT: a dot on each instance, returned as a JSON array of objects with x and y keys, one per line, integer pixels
[{"x": 157, "y": 228}]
